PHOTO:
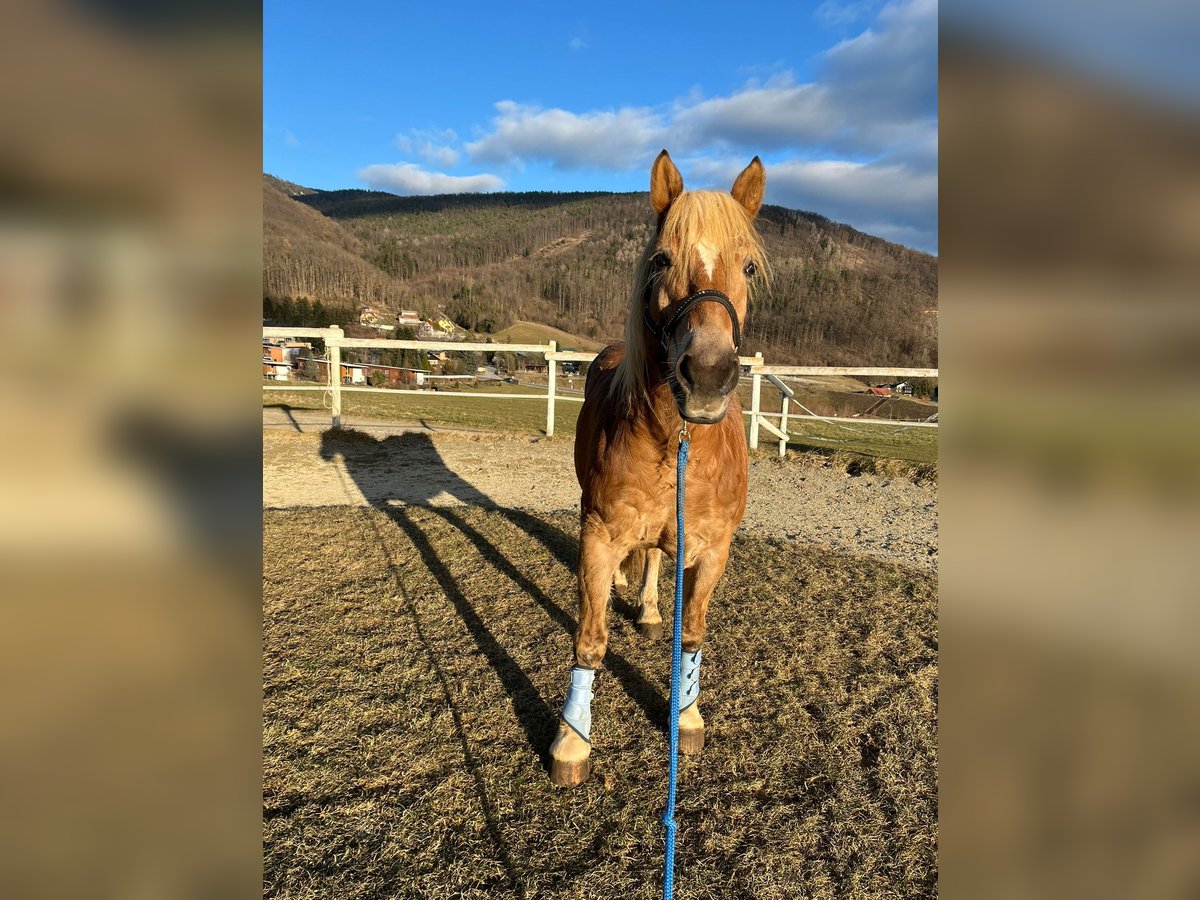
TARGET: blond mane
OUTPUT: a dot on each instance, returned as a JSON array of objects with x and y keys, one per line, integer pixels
[{"x": 709, "y": 216}]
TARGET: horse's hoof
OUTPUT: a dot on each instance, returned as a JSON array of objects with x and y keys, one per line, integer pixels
[
  {"x": 691, "y": 742},
  {"x": 570, "y": 758},
  {"x": 570, "y": 773},
  {"x": 651, "y": 630}
]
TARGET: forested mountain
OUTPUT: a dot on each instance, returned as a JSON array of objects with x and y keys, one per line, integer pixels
[{"x": 836, "y": 296}]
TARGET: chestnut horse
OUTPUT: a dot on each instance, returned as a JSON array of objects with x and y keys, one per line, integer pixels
[{"x": 678, "y": 362}]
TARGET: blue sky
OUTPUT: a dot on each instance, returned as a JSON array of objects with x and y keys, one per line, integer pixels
[{"x": 838, "y": 98}]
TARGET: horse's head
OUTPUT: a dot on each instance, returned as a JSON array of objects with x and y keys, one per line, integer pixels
[{"x": 697, "y": 275}]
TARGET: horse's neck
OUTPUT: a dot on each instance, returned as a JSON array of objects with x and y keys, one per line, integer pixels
[{"x": 659, "y": 416}]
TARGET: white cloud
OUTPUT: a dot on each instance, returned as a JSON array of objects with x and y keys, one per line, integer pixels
[
  {"x": 409, "y": 178},
  {"x": 891, "y": 200},
  {"x": 778, "y": 114},
  {"x": 888, "y": 74},
  {"x": 857, "y": 143},
  {"x": 875, "y": 94},
  {"x": 856, "y": 193},
  {"x": 577, "y": 43},
  {"x": 434, "y": 146},
  {"x": 834, "y": 14},
  {"x": 920, "y": 238},
  {"x": 567, "y": 140},
  {"x": 290, "y": 139}
]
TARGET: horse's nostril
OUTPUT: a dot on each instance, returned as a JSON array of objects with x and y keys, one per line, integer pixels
[
  {"x": 685, "y": 372},
  {"x": 731, "y": 380}
]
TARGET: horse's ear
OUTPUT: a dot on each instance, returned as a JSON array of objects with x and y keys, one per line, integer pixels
[
  {"x": 665, "y": 183},
  {"x": 749, "y": 187}
]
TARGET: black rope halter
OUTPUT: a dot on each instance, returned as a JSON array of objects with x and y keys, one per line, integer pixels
[{"x": 663, "y": 332}]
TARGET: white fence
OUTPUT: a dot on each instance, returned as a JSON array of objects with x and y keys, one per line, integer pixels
[{"x": 335, "y": 341}]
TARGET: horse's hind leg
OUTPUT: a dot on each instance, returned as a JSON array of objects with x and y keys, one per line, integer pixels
[
  {"x": 570, "y": 753},
  {"x": 631, "y": 568},
  {"x": 649, "y": 620}
]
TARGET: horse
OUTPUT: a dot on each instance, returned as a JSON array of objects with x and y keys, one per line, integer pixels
[{"x": 677, "y": 364}]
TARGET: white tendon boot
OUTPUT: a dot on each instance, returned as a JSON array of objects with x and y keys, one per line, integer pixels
[
  {"x": 570, "y": 753},
  {"x": 691, "y": 726},
  {"x": 577, "y": 708}
]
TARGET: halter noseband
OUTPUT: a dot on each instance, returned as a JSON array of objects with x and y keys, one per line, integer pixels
[{"x": 663, "y": 332}]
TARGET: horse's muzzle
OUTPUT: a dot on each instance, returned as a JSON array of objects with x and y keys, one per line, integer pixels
[{"x": 703, "y": 384}]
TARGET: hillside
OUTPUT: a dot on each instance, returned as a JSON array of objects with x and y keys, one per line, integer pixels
[
  {"x": 306, "y": 254},
  {"x": 837, "y": 296},
  {"x": 534, "y": 333}
]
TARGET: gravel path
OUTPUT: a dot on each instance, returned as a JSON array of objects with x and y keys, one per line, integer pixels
[{"x": 790, "y": 500}]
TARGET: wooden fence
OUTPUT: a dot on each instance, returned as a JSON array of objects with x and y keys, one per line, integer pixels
[{"x": 753, "y": 367}]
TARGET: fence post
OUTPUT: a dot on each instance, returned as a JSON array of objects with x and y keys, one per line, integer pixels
[
  {"x": 550, "y": 390},
  {"x": 333, "y": 352},
  {"x": 783, "y": 425},
  {"x": 755, "y": 397}
]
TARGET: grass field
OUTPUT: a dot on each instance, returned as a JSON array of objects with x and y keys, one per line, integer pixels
[
  {"x": 415, "y": 660},
  {"x": 916, "y": 445},
  {"x": 443, "y": 408}
]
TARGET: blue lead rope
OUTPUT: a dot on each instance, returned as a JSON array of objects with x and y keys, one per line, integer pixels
[{"x": 676, "y": 667}]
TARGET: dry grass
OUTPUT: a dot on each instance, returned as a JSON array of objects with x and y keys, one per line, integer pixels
[
  {"x": 858, "y": 463},
  {"x": 415, "y": 662}
]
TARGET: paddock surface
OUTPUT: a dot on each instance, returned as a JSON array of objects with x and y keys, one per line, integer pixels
[
  {"x": 416, "y": 651},
  {"x": 806, "y": 500}
]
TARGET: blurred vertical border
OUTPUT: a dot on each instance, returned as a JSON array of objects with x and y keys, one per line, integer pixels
[
  {"x": 130, "y": 236},
  {"x": 1070, "y": 348},
  {"x": 130, "y": 525}
]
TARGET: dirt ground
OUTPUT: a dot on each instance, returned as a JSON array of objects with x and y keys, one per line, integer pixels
[
  {"x": 419, "y": 597},
  {"x": 415, "y": 660},
  {"x": 802, "y": 500}
]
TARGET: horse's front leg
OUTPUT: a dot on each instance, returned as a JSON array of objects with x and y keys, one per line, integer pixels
[
  {"x": 699, "y": 580},
  {"x": 571, "y": 750}
]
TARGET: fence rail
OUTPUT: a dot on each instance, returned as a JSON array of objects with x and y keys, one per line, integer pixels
[
  {"x": 757, "y": 370},
  {"x": 800, "y": 371}
]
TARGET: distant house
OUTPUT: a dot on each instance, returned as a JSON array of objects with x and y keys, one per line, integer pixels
[
  {"x": 903, "y": 387},
  {"x": 276, "y": 364},
  {"x": 409, "y": 318},
  {"x": 374, "y": 317},
  {"x": 439, "y": 330},
  {"x": 276, "y": 371},
  {"x": 529, "y": 362},
  {"x": 394, "y": 376},
  {"x": 351, "y": 373},
  {"x": 367, "y": 373},
  {"x": 881, "y": 391}
]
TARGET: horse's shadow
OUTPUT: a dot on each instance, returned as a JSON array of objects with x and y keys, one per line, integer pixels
[{"x": 383, "y": 470}]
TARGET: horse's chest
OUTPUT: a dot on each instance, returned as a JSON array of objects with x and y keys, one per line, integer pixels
[{"x": 638, "y": 503}]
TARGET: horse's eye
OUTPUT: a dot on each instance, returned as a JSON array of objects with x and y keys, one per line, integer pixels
[
  {"x": 750, "y": 269},
  {"x": 660, "y": 260}
]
